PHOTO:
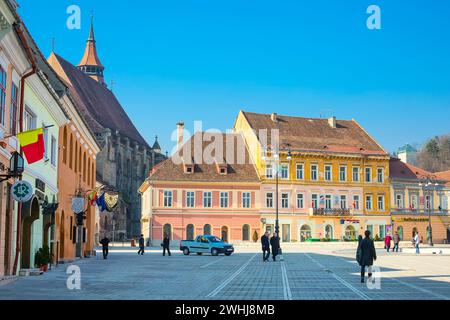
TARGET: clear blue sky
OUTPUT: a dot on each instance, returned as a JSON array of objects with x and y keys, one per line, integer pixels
[{"x": 205, "y": 60}]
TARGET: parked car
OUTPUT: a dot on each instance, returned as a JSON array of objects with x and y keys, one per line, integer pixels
[{"x": 206, "y": 244}]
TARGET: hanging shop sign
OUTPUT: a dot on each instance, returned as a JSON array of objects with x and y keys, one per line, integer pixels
[
  {"x": 40, "y": 185},
  {"x": 22, "y": 191},
  {"x": 111, "y": 200},
  {"x": 78, "y": 205}
]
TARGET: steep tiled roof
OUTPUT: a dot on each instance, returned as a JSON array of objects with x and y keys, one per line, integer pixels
[
  {"x": 98, "y": 104},
  {"x": 444, "y": 175},
  {"x": 400, "y": 170},
  {"x": 169, "y": 170},
  {"x": 313, "y": 134}
]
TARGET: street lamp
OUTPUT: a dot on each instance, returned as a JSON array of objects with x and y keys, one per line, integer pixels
[
  {"x": 428, "y": 187},
  {"x": 16, "y": 167}
]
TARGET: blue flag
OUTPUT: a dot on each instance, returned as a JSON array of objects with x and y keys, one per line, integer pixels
[{"x": 101, "y": 203}]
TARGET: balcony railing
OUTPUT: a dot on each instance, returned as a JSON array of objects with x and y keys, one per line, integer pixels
[
  {"x": 420, "y": 211},
  {"x": 331, "y": 212}
]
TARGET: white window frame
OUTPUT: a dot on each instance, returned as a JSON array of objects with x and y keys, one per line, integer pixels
[
  {"x": 343, "y": 201},
  {"x": 284, "y": 171},
  {"x": 300, "y": 171},
  {"x": 224, "y": 197},
  {"x": 328, "y": 174},
  {"x": 345, "y": 173},
  {"x": 300, "y": 201},
  {"x": 269, "y": 199},
  {"x": 356, "y": 200},
  {"x": 369, "y": 200},
  {"x": 53, "y": 147},
  {"x": 370, "y": 174},
  {"x": 399, "y": 201},
  {"x": 168, "y": 198},
  {"x": 246, "y": 199},
  {"x": 382, "y": 206},
  {"x": 316, "y": 171},
  {"x": 207, "y": 199},
  {"x": 269, "y": 171},
  {"x": 328, "y": 201},
  {"x": 285, "y": 200},
  {"x": 378, "y": 175},
  {"x": 190, "y": 197},
  {"x": 315, "y": 200},
  {"x": 357, "y": 174}
]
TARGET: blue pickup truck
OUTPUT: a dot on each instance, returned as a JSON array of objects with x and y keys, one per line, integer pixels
[{"x": 206, "y": 244}]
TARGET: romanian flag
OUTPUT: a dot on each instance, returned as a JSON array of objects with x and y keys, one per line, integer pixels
[{"x": 32, "y": 143}]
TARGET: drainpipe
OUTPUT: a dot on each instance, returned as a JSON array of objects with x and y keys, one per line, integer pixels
[{"x": 31, "y": 58}]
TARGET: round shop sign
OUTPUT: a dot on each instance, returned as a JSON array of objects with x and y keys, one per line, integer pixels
[{"x": 22, "y": 191}]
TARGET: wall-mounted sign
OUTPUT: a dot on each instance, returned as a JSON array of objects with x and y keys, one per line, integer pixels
[
  {"x": 78, "y": 205},
  {"x": 22, "y": 191},
  {"x": 409, "y": 219}
]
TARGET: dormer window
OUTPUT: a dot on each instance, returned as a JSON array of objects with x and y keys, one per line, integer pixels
[
  {"x": 188, "y": 168},
  {"x": 223, "y": 170},
  {"x": 222, "y": 167}
]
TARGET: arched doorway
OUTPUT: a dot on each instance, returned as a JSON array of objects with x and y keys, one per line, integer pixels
[
  {"x": 328, "y": 232},
  {"x": 305, "y": 233},
  {"x": 190, "y": 232},
  {"x": 400, "y": 232},
  {"x": 207, "y": 229},
  {"x": 224, "y": 233},
  {"x": 350, "y": 232},
  {"x": 62, "y": 235},
  {"x": 30, "y": 211},
  {"x": 245, "y": 232},
  {"x": 167, "y": 230},
  {"x": 414, "y": 231}
]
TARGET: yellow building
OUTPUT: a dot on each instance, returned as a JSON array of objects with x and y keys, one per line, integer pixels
[{"x": 332, "y": 176}]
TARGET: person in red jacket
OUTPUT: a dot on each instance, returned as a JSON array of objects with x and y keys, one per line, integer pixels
[{"x": 387, "y": 242}]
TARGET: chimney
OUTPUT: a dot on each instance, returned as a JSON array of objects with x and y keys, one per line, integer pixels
[
  {"x": 332, "y": 122},
  {"x": 180, "y": 129},
  {"x": 274, "y": 117}
]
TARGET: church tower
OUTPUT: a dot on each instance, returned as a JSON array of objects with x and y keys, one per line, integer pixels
[{"x": 90, "y": 63}]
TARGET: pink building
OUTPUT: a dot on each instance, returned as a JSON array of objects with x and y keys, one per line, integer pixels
[{"x": 215, "y": 194}]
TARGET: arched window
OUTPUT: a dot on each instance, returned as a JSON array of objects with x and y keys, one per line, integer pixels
[
  {"x": 71, "y": 152},
  {"x": 305, "y": 233},
  {"x": 328, "y": 232},
  {"x": 207, "y": 229},
  {"x": 224, "y": 233},
  {"x": 350, "y": 232},
  {"x": 75, "y": 168},
  {"x": 190, "y": 232},
  {"x": 245, "y": 232},
  {"x": 64, "y": 148},
  {"x": 88, "y": 179},
  {"x": 167, "y": 230},
  {"x": 400, "y": 232},
  {"x": 93, "y": 174},
  {"x": 79, "y": 159}
]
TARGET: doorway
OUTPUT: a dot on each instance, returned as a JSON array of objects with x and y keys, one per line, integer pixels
[
  {"x": 286, "y": 232},
  {"x": 224, "y": 233},
  {"x": 305, "y": 233},
  {"x": 26, "y": 237}
]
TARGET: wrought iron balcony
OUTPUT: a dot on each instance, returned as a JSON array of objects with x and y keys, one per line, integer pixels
[
  {"x": 331, "y": 212},
  {"x": 424, "y": 212}
]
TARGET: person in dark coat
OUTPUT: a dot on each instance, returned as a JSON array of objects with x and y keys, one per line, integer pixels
[
  {"x": 275, "y": 244},
  {"x": 396, "y": 241},
  {"x": 166, "y": 244},
  {"x": 265, "y": 246},
  {"x": 368, "y": 255},
  {"x": 358, "y": 250},
  {"x": 141, "y": 245},
  {"x": 105, "y": 243}
]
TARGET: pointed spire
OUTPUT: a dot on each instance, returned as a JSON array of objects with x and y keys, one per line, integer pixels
[
  {"x": 156, "y": 145},
  {"x": 90, "y": 63}
]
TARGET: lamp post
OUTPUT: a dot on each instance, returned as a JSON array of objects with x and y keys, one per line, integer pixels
[
  {"x": 428, "y": 186},
  {"x": 16, "y": 167}
]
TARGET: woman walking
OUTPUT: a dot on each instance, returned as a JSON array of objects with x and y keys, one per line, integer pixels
[{"x": 367, "y": 256}]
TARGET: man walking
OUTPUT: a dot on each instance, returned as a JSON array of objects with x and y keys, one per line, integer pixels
[
  {"x": 141, "y": 245},
  {"x": 105, "y": 243},
  {"x": 416, "y": 242},
  {"x": 367, "y": 255},
  {"x": 275, "y": 244},
  {"x": 387, "y": 242},
  {"x": 396, "y": 241},
  {"x": 166, "y": 245},
  {"x": 265, "y": 246}
]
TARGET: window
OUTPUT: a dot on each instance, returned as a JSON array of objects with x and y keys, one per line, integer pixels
[
  {"x": 45, "y": 141},
  {"x": 299, "y": 171},
  {"x": 356, "y": 202},
  {"x": 399, "y": 201},
  {"x": 167, "y": 198},
  {"x": 207, "y": 203},
  {"x": 355, "y": 174},
  {"x": 285, "y": 200},
  {"x": 381, "y": 203},
  {"x": 328, "y": 173},
  {"x": 269, "y": 171},
  {"x": 70, "y": 151},
  {"x": 369, "y": 202},
  {"x": 368, "y": 174},
  {"x": 300, "y": 201},
  {"x": 13, "y": 111},
  {"x": 414, "y": 202},
  {"x": 269, "y": 200},
  {"x": 246, "y": 199},
  {"x": 53, "y": 151},
  {"x": 2, "y": 95},
  {"x": 314, "y": 201},
  {"x": 207, "y": 229},
  {"x": 190, "y": 232},
  {"x": 382, "y": 231},
  {"x": 314, "y": 172},
  {"x": 190, "y": 199},
  {"x": 343, "y": 202},
  {"x": 328, "y": 201},
  {"x": 224, "y": 199},
  {"x": 427, "y": 202},
  {"x": 342, "y": 173},
  {"x": 284, "y": 171},
  {"x": 29, "y": 120},
  {"x": 380, "y": 175}
]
